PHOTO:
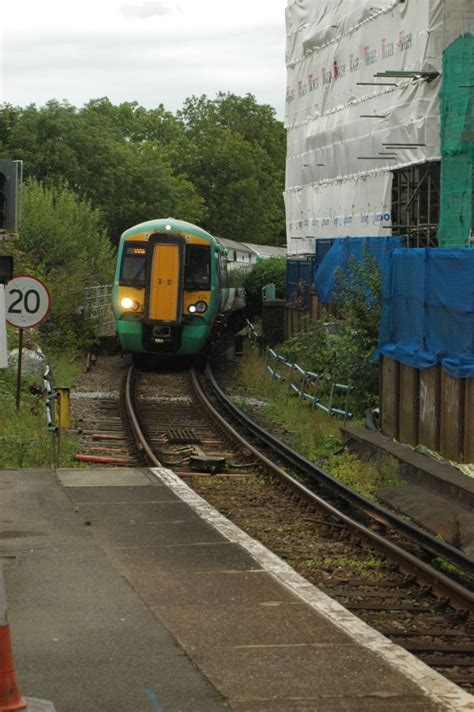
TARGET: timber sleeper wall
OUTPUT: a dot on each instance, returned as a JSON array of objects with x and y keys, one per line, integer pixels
[{"x": 428, "y": 407}]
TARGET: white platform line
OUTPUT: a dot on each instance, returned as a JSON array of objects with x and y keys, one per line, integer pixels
[{"x": 434, "y": 685}]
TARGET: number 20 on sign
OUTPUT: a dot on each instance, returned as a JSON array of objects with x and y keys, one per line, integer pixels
[{"x": 27, "y": 304}]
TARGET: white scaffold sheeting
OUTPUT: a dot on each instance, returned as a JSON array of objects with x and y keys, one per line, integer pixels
[
  {"x": 351, "y": 207},
  {"x": 350, "y": 141},
  {"x": 340, "y": 116},
  {"x": 407, "y": 38}
]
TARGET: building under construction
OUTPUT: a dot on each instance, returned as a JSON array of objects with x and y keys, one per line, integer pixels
[{"x": 379, "y": 118}]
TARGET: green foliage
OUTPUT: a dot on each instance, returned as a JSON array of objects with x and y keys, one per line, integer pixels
[
  {"x": 343, "y": 352},
  {"x": 218, "y": 163},
  {"x": 312, "y": 433},
  {"x": 446, "y": 567},
  {"x": 238, "y": 166},
  {"x": 367, "y": 566},
  {"x": 63, "y": 243},
  {"x": 25, "y": 440},
  {"x": 272, "y": 271}
]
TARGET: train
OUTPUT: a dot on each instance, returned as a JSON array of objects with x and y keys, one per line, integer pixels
[{"x": 171, "y": 292}]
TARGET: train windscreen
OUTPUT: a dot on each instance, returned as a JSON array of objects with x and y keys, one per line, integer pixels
[
  {"x": 197, "y": 267},
  {"x": 132, "y": 271}
]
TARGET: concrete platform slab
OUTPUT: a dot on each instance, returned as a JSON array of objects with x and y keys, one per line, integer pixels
[
  {"x": 136, "y": 512},
  {"x": 218, "y": 556},
  {"x": 113, "y": 536},
  {"x": 82, "y": 637},
  {"x": 417, "y": 468},
  {"x": 115, "y": 477},
  {"x": 268, "y": 623},
  {"x": 299, "y": 671},
  {"x": 207, "y": 588},
  {"x": 144, "y": 493},
  {"x": 365, "y": 703},
  {"x": 440, "y": 516}
]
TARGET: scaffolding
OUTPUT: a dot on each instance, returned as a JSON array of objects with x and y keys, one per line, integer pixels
[{"x": 415, "y": 204}]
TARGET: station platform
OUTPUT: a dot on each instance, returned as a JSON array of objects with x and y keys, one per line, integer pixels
[{"x": 126, "y": 591}]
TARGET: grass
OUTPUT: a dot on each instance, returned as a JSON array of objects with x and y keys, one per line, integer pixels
[
  {"x": 446, "y": 567},
  {"x": 364, "y": 566},
  {"x": 24, "y": 437},
  {"x": 312, "y": 432}
]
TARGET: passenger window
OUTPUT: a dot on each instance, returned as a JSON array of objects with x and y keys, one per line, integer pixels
[
  {"x": 132, "y": 272},
  {"x": 197, "y": 267}
]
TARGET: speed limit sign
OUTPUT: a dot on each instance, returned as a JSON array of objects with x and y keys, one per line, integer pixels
[{"x": 27, "y": 301}]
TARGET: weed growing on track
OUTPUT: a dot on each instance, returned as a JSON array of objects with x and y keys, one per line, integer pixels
[
  {"x": 446, "y": 567},
  {"x": 311, "y": 432},
  {"x": 363, "y": 566}
]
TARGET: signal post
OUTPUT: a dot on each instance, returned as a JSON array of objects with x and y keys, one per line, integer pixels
[{"x": 10, "y": 180}]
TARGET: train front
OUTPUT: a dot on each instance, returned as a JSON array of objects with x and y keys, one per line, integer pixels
[{"x": 166, "y": 288}]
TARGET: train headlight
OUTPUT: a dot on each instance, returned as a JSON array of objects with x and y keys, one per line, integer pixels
[
  {"x": 198, "y": 308},
  {"x": 129, "y": 304}
]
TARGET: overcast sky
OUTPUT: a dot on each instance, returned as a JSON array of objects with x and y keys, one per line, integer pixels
[{"x": 150, "y": 51}]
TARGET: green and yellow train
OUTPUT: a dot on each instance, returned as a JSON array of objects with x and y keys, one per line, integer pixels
[{"x": 171, "y": 288}]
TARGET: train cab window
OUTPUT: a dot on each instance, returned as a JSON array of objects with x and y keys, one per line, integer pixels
[
  {"x": 197, "y": 267},
  {"x": 132, "y": 271}
]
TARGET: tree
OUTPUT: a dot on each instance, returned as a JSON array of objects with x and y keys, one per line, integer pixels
[
  {"x": 218, "y": 162},
  {"x": 271, "y": 271},
  {"x": 62, "y": 241},
  {"x": 238, "y": 161}
]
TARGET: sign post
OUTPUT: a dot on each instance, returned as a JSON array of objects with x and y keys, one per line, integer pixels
[
  {"x": 27, "y": 304},
  {"x": 6, "y": 271}
]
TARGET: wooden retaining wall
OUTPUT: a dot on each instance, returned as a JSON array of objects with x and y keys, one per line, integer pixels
[{"x": 428, "y": 407}]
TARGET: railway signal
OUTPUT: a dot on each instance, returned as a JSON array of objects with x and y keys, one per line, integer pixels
[{"x": 10, "y": 179}]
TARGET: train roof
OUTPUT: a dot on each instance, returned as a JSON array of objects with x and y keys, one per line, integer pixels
[
  {"x": 233, "y": 245},
  {"x": 252, "y": 249},
  {"x": 266, "y": 250},
  {"x": 160, "y": 225}
]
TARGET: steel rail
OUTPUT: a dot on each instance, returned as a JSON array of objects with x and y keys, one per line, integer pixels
[
  {"x": 133, "y": 420},
  {"x": 434, "y": 546},
  {"x": 460, "y": 598}
]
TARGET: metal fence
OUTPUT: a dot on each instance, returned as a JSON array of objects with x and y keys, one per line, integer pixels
[
  {"x": 310, "y": 386},
  {"x": 98, "y": 307}
]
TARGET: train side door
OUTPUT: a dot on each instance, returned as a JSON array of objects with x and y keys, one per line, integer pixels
[{"x": 164, "y": 298}]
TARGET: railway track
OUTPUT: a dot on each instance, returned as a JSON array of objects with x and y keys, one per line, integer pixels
[{"x": 360, "y": 555}]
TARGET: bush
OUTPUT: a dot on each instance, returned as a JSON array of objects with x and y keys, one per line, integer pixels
[
  {"x": 344, "y": 353},
  {"x": 62, "y": 243},
  {"x": 271, "y": 271}
]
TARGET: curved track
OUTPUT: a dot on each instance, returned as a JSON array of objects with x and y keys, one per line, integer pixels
[{"x": 417, "y": 606}]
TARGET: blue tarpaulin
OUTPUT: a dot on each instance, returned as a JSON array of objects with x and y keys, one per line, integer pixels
[
  {"x": 347, "y": 249},
  {"x": 428, "y": 310}
]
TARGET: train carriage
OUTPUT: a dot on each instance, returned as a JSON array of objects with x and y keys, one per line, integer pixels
[{"x": 170, "y": 288}]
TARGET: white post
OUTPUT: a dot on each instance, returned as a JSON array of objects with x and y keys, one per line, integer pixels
[{"x": 3, "y": 330}]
